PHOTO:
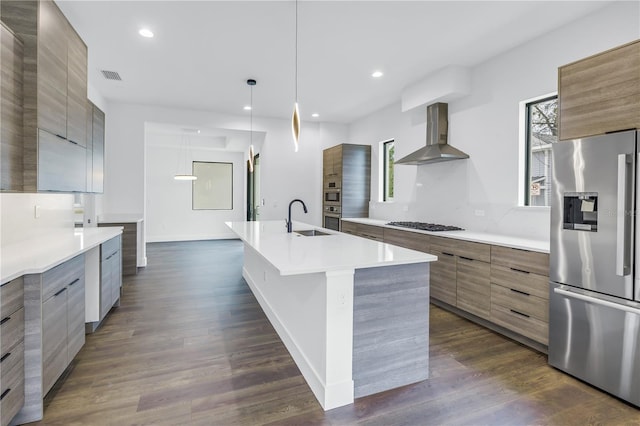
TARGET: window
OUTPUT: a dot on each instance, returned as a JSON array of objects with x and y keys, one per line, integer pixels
[
  {"x": 387, "y": 165},
  {"x": 541, "y": 132},
  {"x": 213, "y": 190}
]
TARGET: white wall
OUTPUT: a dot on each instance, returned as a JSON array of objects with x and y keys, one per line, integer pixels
[
  {"x": 169, "y": 213},
  {"x": 485, "y": 126},
  {"x": 285, "y": 174}
]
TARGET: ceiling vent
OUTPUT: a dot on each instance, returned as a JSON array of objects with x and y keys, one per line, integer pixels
[{"x": 111, "y": 75}]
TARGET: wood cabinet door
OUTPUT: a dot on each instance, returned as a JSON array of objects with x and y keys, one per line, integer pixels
[
  {"x": 106, "y": 286},
  {"x": 98, "y": 123},
  {"x": 75, "y": 317},
  {"x": 600, "y": 94},
  {"x": 116, "y": 276},
  {"x": 443, "y": 278},
  {"x": 52, "y": 69},
  {"x": 54, "y": 338},
  {"x": 474, "y": 286},
  {"x": 76, "y": 88},
  {"x": 62, "y": 165}
]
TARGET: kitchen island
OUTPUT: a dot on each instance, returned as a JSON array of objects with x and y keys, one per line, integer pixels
[{"x": 353, "y": 313}]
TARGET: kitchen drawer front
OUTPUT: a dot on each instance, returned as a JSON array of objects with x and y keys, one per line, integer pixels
[
  {"x": 109, "y": 247},
  {"x": 407, "y": 239},
  {"x": 11, "y": 330},
  {"x": 443, "y": 245},
  {"x": 534, "y": 284},
  {"x": 370, "y": 231},
  {"x": 442, "y": 280},
  {"x": 11, "y": 297},
  {"x": 529, "y": 327},
  {"x": 532, "y": 306},
  {"x": 475, "y": 251},
  {"x": 524, "y": 260},
  {"x": 55, "y": 279},
  {"x": 12, "y": 378},
  {"x": 474, "y": 287},
  {"x": 349, "y": 227}
]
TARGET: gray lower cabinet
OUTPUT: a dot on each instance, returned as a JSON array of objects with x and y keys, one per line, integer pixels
[
  {"x": 54, "y": 330},
  {"x": 11, "y": 349},
  {"x": 110, "y": 274}
]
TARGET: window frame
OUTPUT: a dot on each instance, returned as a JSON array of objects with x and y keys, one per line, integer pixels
[
  {"x": 526, "y": 156},
  {"x": 385, "y": 170}
]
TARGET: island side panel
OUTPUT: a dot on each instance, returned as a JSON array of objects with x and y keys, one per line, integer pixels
[{"x": 390, "y": 327}]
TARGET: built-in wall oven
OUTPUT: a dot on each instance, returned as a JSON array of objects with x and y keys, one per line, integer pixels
[{"x": 331, "y": 218}]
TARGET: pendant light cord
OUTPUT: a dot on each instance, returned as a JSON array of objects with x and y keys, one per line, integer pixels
[
  {"x": 296, "y": 54},
  {"x": 251, "y": 119}
]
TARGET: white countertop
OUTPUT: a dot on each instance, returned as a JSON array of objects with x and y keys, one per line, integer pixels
[
  {"x": 120, "y": 218},
  {"x": 35, "y": 256},
  {"x": 293, "y": 254},
  {"x": 478, "y": 237}
]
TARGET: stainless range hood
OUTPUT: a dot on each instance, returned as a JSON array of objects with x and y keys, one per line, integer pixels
[{"x": 437, "y": 148}]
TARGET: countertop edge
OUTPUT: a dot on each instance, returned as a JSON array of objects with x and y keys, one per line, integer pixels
[
  {"x": 529, "y": 244},
  {"x": 97, "y": 238}
]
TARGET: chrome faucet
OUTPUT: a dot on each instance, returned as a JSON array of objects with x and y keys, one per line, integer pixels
[{"x": 289, "y": 225}]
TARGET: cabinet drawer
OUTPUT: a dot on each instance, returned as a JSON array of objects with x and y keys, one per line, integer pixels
[
  {"x": 11, "y": 297},
  {"x": 349, "y": 227},
  {"x": 12, "y": 378},
  {"x": 109, "y": 247},
  {"x": 524, "y": 260},
  {"x": 534, "y": 284},
  {"x": 62, "y": 275},
  {"x": 407, "y": 239},
  {"x": 442, "y": 280},
  {"x": 523, "y": 303},
  {"x": 372, "y": 232},
  {"x": 444, "y": 245},
  {"x": 9, "y": 361},
  {"x": 475, "y": 251},
  {"x": 529, "y": 327},
  {"x": 11, "y": 330},
  {"x": 474, "y": 287}
]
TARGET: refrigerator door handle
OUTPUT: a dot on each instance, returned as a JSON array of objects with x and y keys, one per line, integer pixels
[
  {"x": 595, "y": 301},
  {"x": 623, "y": 242}
]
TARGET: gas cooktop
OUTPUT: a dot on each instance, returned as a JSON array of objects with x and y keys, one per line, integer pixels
[{"x": 425, "y": 226}]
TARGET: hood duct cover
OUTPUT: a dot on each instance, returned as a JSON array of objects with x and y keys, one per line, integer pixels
[{"x": 437, "y": 148}]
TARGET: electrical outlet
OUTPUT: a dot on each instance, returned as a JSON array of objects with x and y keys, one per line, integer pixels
[
  {"x": 342, "y": 299},
  {"x": 479, "y": 212},
  {"x": 405, "y": 208},
  {"x": 36, "y": 211}
]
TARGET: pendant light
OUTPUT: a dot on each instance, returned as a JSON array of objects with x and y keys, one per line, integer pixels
[
  {"x": 183, "y": 159},
  {"x": 295, "y": 119},
  {"x": 251, "y": 82}
]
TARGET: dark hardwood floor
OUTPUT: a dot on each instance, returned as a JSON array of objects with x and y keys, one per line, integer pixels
[{"x": 190, "y": 345}]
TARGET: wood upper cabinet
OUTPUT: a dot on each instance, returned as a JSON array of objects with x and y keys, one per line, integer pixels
[
  {"x": 97, "y": 158},
  {"x": 11, "y": 111},
  {"x": 600, "y": 94},
  {"x": 76, "y": 88}
]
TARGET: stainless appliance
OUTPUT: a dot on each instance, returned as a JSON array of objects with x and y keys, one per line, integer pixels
[
  {"x": 332, "y": 197},
  {"x": 331, "y": 217},
  {"x": 423, "y": 226},
  {"x": 594, "y": 305},
  {"x": 437, "y": 148}
]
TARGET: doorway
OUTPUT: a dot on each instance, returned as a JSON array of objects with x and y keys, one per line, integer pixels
[{"x": 253, "y": 190}]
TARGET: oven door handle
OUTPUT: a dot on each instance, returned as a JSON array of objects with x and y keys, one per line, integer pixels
[{"x": 596, "y": 301}]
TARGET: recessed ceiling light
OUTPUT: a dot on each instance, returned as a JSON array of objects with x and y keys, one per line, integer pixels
[
  {"x": 247, "y": 108},
  {"x": 315, "y": 115},
  {"x": 145, "y": 32},
  {"x": 377, "y": 74}
]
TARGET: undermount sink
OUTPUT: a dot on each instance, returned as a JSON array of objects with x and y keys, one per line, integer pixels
[{"x": 311, "y": 233}]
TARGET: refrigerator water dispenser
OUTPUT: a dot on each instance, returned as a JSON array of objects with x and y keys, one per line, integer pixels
[{"x": 580, "y": 211}]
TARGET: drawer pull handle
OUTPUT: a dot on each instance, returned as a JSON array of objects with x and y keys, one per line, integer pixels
[
  {"x": 519, "y": 313},
  {"x": 520, "y": 270},
  {"x": 519, "y": 292},
  {"x": 61, "y": 137},
  {"x": 5, "y": 319},
  {"x": 5, "y": 356},
  {"x": 4, "y": 394},
  {"x": 74, "y": 281},
  {"x": 60, "y": 292},
  {"x": 447, "y": 254},
  {"x": 466, "y": 258},
  {"x": 73, "y": 142}
]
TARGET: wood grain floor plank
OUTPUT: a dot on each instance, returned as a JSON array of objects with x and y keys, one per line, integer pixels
[{"x": 189, "y": 345}]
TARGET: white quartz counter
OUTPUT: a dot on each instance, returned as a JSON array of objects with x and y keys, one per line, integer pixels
[
  {"x": 478, "y": 237},
  {"x": 35, "y": 256},
  {"x": 293, "y": 254},
  {"x": 120, "y": 218}
]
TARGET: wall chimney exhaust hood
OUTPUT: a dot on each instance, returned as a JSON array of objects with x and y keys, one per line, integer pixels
[{"x": 437, "y": 148}]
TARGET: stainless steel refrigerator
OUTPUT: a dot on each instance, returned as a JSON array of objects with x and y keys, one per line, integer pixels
[{"x": 594, "y": 308}]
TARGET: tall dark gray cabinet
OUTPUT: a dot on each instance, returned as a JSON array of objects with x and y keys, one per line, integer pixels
[{"x": 346, "y": 183}]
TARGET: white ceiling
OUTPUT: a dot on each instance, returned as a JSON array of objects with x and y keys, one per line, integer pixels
[{"x": 204, "y": 51}]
